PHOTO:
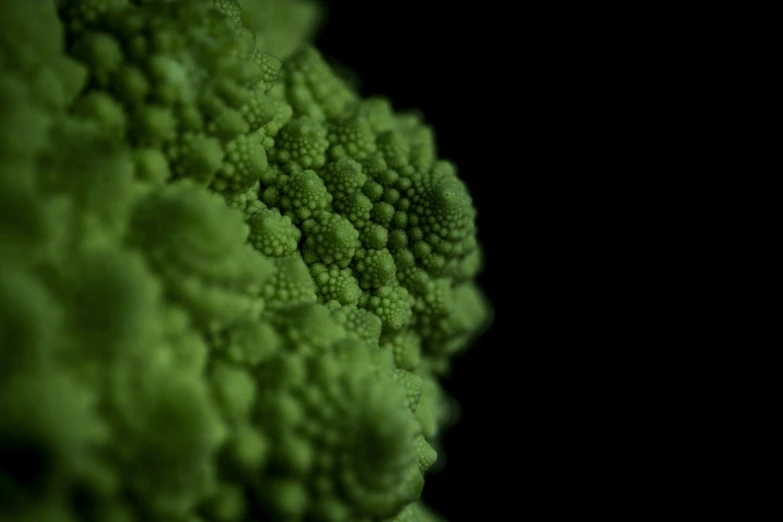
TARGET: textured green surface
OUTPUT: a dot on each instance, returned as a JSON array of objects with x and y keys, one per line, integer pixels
[{"x": 228, "y": 284}]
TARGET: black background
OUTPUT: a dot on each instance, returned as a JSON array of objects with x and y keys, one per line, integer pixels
[{"x": 461, "y": 70}]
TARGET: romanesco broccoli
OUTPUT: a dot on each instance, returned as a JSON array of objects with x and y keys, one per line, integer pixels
[{"x": 228, "y": 284}]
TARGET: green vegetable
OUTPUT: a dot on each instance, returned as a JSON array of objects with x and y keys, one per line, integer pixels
[{"x": 228, "y": 284}]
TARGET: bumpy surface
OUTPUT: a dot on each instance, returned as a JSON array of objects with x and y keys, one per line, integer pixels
[{"x": 228, "y": 284}]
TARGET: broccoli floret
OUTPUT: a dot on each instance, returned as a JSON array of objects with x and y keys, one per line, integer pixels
[{"x": 228, "y": 285}]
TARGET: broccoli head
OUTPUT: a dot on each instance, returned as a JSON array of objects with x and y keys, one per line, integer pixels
[{"x": 228, "y": 283}]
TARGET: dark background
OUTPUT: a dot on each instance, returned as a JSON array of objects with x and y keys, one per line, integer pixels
[{"x": 456, "y": 66}]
